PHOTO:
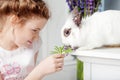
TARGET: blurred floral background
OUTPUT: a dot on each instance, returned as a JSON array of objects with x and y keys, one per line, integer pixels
[{"x": 85, "y": 7}]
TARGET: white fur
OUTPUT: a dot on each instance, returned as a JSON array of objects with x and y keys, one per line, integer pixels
[{"x": 102, "y": 28}]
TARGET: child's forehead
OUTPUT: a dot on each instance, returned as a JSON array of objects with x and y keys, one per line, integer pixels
[
  {"x": 36, "y": 22},
  {"x": 36, "y": 18},
  {"x": 33, "y": 16}
]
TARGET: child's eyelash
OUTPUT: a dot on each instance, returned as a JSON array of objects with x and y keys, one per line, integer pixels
[{"x": 34, "y": 30}]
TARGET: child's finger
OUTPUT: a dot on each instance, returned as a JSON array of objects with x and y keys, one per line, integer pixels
[
  {"x": 59, "y": 67},
  {"x": 66, "y": 54},
  {"x": 59, "y": 55},
  {"x": 60, "y": 60}
]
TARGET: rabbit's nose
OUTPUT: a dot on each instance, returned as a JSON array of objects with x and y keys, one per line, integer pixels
[{"x": 67, "y": 32}]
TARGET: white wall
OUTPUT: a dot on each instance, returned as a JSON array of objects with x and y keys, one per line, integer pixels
[{"x": 51, "y": 36}]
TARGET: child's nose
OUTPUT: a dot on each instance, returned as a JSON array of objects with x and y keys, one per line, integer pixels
[{"x": 36, "y": 37}]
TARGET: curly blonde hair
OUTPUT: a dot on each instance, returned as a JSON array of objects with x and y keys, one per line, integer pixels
[{"x": 24, "y": 8}]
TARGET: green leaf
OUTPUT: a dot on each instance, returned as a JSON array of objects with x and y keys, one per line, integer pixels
[{"x": 61, "y": 50}]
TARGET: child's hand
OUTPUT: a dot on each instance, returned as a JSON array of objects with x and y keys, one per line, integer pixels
[
  {"x": 49, "y": 65},
  {"x": 52, "y": 64}
]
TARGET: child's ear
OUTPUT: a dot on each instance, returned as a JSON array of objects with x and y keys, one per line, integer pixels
[
  {"x": 14, "y": 19},
  {"x": 77, "y": 17}
]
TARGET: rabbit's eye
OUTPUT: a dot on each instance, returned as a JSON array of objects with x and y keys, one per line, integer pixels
[{"x": 67, "y": 32}]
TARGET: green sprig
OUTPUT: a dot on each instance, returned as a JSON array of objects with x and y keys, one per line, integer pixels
[{"x": 61, "y": 50}]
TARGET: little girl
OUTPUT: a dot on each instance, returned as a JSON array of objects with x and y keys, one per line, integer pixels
[{"x": 20, "y": 23}]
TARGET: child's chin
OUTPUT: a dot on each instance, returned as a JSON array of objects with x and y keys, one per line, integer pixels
[
  {"x": 27, "y": 46},
  {"x": 30, "y": 46}
]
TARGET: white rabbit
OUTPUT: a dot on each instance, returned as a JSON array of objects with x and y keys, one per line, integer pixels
[{"x": 100, "y": 29}]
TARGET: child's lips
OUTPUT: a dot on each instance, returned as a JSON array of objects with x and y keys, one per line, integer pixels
[{"x": 29, "y": 42}]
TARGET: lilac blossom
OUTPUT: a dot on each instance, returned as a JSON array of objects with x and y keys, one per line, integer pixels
[{"x": 85, "y": 7}]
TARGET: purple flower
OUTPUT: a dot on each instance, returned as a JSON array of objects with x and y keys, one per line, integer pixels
[
  {"x": 85, "y": 7},
  {"x": 74, "y": 3},
  {"x": 65, "y": 47},
  {"x": 78, "y": 2}
]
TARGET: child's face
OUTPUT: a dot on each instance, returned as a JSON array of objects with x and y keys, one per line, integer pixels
[{"x": 24, "y": 35}]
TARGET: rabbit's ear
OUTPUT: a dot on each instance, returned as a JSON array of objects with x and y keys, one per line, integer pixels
[
  {"x": 75, "y": 11},
  {"x": 77, "y": 17}
]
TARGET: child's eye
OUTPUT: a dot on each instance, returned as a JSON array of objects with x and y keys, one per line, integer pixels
[{"x": 34, "y": 30}]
